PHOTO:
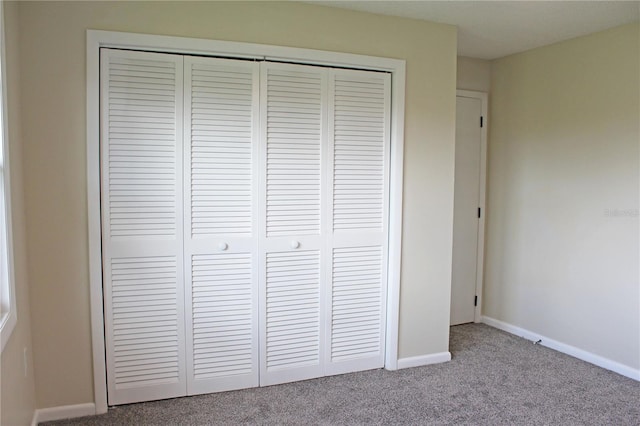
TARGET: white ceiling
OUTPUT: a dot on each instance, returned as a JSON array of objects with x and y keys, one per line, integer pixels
[{"x": 493, "y": 29}]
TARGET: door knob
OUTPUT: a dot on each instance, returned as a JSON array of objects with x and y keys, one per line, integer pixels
[
  {"x": 295, "y": 244},
  {"x": 223, "y": 246}
]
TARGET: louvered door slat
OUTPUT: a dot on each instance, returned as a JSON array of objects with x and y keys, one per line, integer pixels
[
  {"x": 141, "y": 145},
  {"x": 216, "y": 142},
  {"x": 221, "y": 109},
  {"x": 363, "y": 299},
  {"x": 222, "y": 347},
  {"x": 360, "y": 138},
  {"x": 293, "y": 310},
  {"x": 293, "y": 114}
]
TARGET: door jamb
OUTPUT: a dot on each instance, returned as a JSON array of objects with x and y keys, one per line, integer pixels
[
  {"x": 484, "y": 99},
  {"x": 97, "y": 39}
]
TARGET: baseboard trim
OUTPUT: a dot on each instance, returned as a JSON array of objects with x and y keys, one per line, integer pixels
[
  {"x": 418, "y": 361},
  {"x": 564, "y": 348},
  {"x": 63, "y": 412}
]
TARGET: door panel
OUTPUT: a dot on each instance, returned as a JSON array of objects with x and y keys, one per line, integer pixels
[
  {"x": 294, "y": 116},
  {"x": 141, "y": 152},
  {"x": 293, "y": 314},
  {"x": 220, "y": 250},
  {"x": 223, "y": 351},
  {"x": 466, "y": 202},
  {"x": 356, "y": 307},
  {"x": 357, "y": 211},
  {"x": 293, "y": 104}
]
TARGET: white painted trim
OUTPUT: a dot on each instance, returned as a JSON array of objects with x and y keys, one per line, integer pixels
[
  {"x": 419, "y": 361},
  {"x": 98, "y": 39},
  {"x": 231, "y": 49},
  {"x": 94, "y": 227},
  {"x": 589, "y": 357},
  {"x": 9, "y": 318},
  {"x": 396, "y": 174},
  {"x": 63, "y": 412},
  {"x": 484, "y": 99}
]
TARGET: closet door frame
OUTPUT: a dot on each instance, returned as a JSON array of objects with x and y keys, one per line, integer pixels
[{"x": 157, "y": 43}]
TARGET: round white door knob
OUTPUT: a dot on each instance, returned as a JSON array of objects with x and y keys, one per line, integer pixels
[
  {"x": 295, "y": 244},
  {"x": 223, "y": 246}
]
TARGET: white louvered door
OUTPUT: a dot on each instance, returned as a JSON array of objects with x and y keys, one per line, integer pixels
[
  {"x": 245, "y": 222},
  {"x": 293, "y": 111},
  {"x": 141, "y": 156},
  {"x": 359, "y": 145},
  {"x": 323, "y": 245},
  {"x": 221, "y": 136}
]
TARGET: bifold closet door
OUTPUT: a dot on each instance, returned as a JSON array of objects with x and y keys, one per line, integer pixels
[
  {"x": 220, "y": 249},
  {"x": 244, "y": 222},
  {"x": 358, "y": 216},
  {"x": 141, "y": 158},
  {"x": 323, "y": 247},
  {"x": 293, "y": 114}
]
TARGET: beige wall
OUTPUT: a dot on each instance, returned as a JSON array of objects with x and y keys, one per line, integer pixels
[
  {"x": 18, "y": 392},
  {"x": 53, "y": 96},
  {"x": 473, "y": 74},
  {"x": 563, "y": 157}
]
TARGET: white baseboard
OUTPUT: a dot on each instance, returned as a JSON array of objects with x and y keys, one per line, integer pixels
[
  {"x": 418, "y": 361},
  {"x": 63, "y": 412},
  {"x": 564, "y": 348}
]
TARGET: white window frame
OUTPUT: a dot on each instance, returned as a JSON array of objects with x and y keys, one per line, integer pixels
[
  {"x": 8, "y": 308},
  {"x": 97, "y": 39}
]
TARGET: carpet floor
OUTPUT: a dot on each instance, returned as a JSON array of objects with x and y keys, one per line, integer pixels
[{"x": 494, "y": 378}]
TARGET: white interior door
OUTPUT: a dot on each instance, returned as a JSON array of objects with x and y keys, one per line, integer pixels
[
  {"x": 220, "y": 233},
  {"x": 466, "y": 209},
  {"x": 141, "y": 197}
]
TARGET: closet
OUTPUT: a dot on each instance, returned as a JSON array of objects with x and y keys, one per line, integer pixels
[{"x": 244, "y": 222}]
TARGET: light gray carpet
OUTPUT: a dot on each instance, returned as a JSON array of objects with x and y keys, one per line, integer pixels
[{"x": 494, "y": 378}]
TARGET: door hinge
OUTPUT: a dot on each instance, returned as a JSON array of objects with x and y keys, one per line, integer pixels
[
  {"x": 479, "y": 212},
  {"x": 475, "y": 301},
  {"x": 481, "y": 121}
]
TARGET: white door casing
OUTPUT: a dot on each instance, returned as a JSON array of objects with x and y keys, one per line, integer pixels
[{"x": 468, "y": 222}]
